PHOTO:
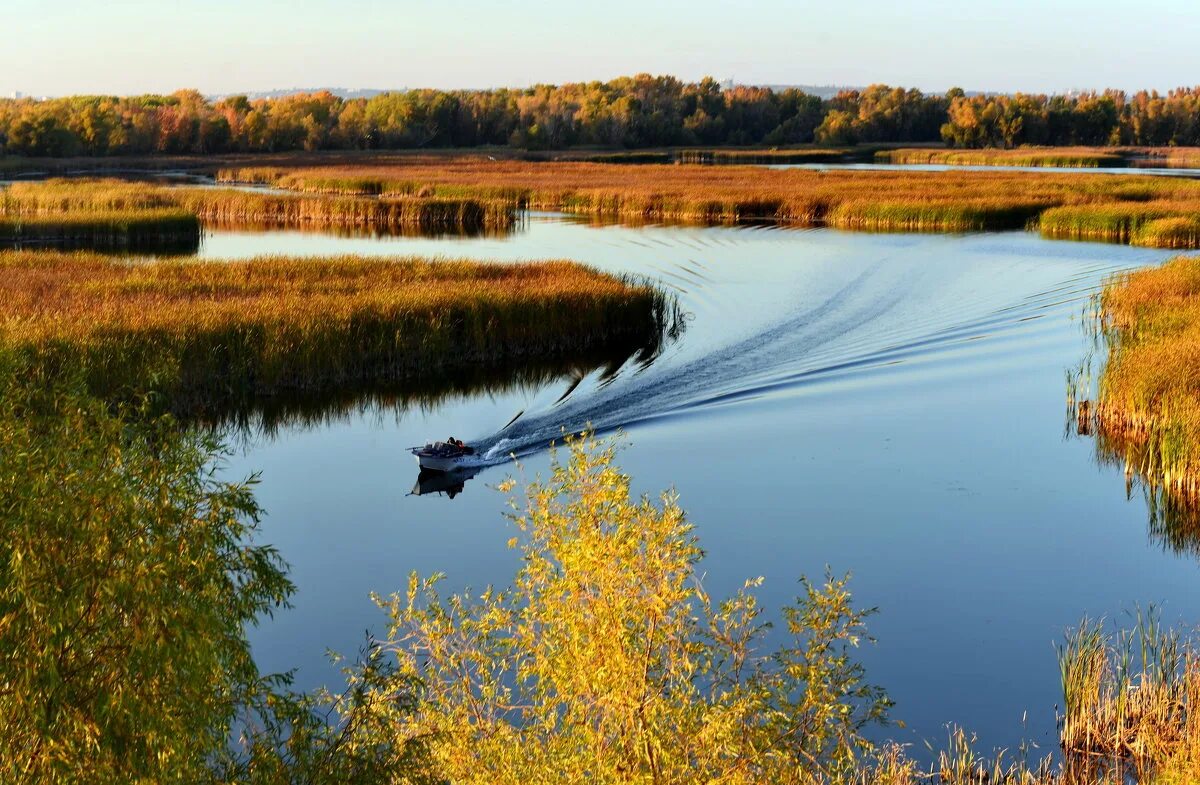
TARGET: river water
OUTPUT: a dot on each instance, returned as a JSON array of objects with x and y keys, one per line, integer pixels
[{"x": 886, "y": 404}]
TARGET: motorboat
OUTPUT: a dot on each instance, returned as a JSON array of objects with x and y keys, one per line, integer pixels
[{"x": 448, "y": 456}]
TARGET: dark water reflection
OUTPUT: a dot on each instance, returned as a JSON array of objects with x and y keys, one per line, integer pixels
[
  {"x": 274, "y": 415},
  {"x": 360, "y": 231},
  {"x": 442, "y": 483},
  {"x": 1173, "y": 519}
]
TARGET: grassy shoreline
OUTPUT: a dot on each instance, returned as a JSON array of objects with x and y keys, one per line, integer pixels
[
  {"x": 155, "y": 229},
  {"x": 1059, "y": 205},
  {"x": 206, "y": 332},
  {"x": 473, "y": 196},
  {"x": 1147, "y": 409},
  {"x": 229, "y": 206},
  {"x": 1051, "y": 157}
]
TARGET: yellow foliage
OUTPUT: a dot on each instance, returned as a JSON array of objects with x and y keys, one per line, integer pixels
[{"x": 607, "y": 661}]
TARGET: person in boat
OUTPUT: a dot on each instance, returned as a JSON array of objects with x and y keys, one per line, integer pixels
[{"x": 458, "y": 444}]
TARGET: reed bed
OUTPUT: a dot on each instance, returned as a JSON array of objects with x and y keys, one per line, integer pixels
[
  {"x": 204, "y": 332},
  {"x": 641, "y": 157},
  {"x": 1060, "y": 157},
  {"x": 768, "y": 157},
  {"x": 424, "y": 213},
  {"x": 1148, "y": 402},
  {"x": 1121, "y": 222},
  {"x": 434, "y": 214},
  {"x": 875, "y": 200},
  {"x": 1181, "y": 157},
  {"x": 1130, "y": 716},
  {"x": 1131, "y": 703},
  {"x": 143, "y": 230},
  {"x": 935, "y": 216}
]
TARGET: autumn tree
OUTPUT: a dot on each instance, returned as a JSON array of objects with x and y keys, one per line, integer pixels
[{"x": 608, "y": 661}]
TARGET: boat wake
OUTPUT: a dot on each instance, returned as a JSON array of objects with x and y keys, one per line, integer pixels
[{"x": 885, "y": 314}]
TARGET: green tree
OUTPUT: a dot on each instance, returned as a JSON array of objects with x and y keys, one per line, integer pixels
[
  {"x": 837, "y": 129},
  {"x": 127, "y": 581}
]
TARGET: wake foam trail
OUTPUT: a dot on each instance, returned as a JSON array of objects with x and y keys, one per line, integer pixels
[
  {"x": 671, "y": 387},
  {"x": 883, "y": 316}
]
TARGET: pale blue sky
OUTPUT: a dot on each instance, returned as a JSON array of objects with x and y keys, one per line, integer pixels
[{"x": 133, "y": 46}]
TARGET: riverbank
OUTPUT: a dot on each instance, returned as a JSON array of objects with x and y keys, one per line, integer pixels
[
  {"x": 138, "y": 229},
  {"x": 1148, "y": 402},
  {"x": 83, "y": 200},
  {"x": 1059, "y": 205}
]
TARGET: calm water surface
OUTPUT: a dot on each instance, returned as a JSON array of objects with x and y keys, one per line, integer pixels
[{"x": 890, "y": 405}]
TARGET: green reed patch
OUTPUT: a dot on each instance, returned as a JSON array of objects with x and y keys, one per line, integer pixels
[
  {"x": 934, "y": 216},
  {"x": 1153, "y": 224}
]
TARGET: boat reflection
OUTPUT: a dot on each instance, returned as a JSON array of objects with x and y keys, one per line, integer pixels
[{"x": 448, "y": 484}]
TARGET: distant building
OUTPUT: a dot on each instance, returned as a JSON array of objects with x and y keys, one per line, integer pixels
[{"x": 17, "y": 94}]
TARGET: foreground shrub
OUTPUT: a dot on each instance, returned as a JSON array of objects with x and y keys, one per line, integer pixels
[
  {"x": 127, "y": 577},
  {"x": 607, "y": 661}
]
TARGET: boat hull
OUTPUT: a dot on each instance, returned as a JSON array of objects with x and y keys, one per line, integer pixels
[{"x": 435, "y": 463}]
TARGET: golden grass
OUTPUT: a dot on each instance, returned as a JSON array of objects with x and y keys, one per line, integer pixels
[
  {"x": 1148, "y": 405},
  {"x": 233, "y": 206},
  {"x": 733, "y": 156},
  {"x": 166, "y": 229},
  {"x": 1131, "y": 703},
  {"x": 1063, "y": 157},
  {"x": 1183, "y": 157},
  {"x": 456, "y": 194},
  {"x": 878, "y": 200},
  {"x": 272, "y": 324}
]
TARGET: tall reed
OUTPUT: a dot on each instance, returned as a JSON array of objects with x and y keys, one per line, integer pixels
[
  {"x": 204, "y": 331},
  {"x": 769, "y": 157},
  {"x": 1061, "y": 157},
  {"x": 1131, "y": 701},
  {"x": 132, "y": 229},
  {"x": 877, "y": 200},
  {"x": 1148, "y": 402},
  {"x": 416, "y": 211}
]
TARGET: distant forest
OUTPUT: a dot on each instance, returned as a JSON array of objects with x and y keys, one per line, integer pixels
[{"x": 630, "y": 112}]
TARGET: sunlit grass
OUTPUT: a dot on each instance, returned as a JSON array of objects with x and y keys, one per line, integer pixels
[
  {"x": 1148, "y": 406},
  {"x": 1131, "y": 703},
  {"x": 196, "y": 329},
  {"x": 140, "y": 229},
  {"x": 1065, "y": 157},
  {"x": 875, "y": 200},
  {"x": 1155, "y": 224},
  {"x": 230, "y": 206},
  {"x": 734, "y": 156}
]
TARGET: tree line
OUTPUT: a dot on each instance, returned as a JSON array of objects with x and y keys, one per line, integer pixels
[{"x": 629, "y": 112}]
